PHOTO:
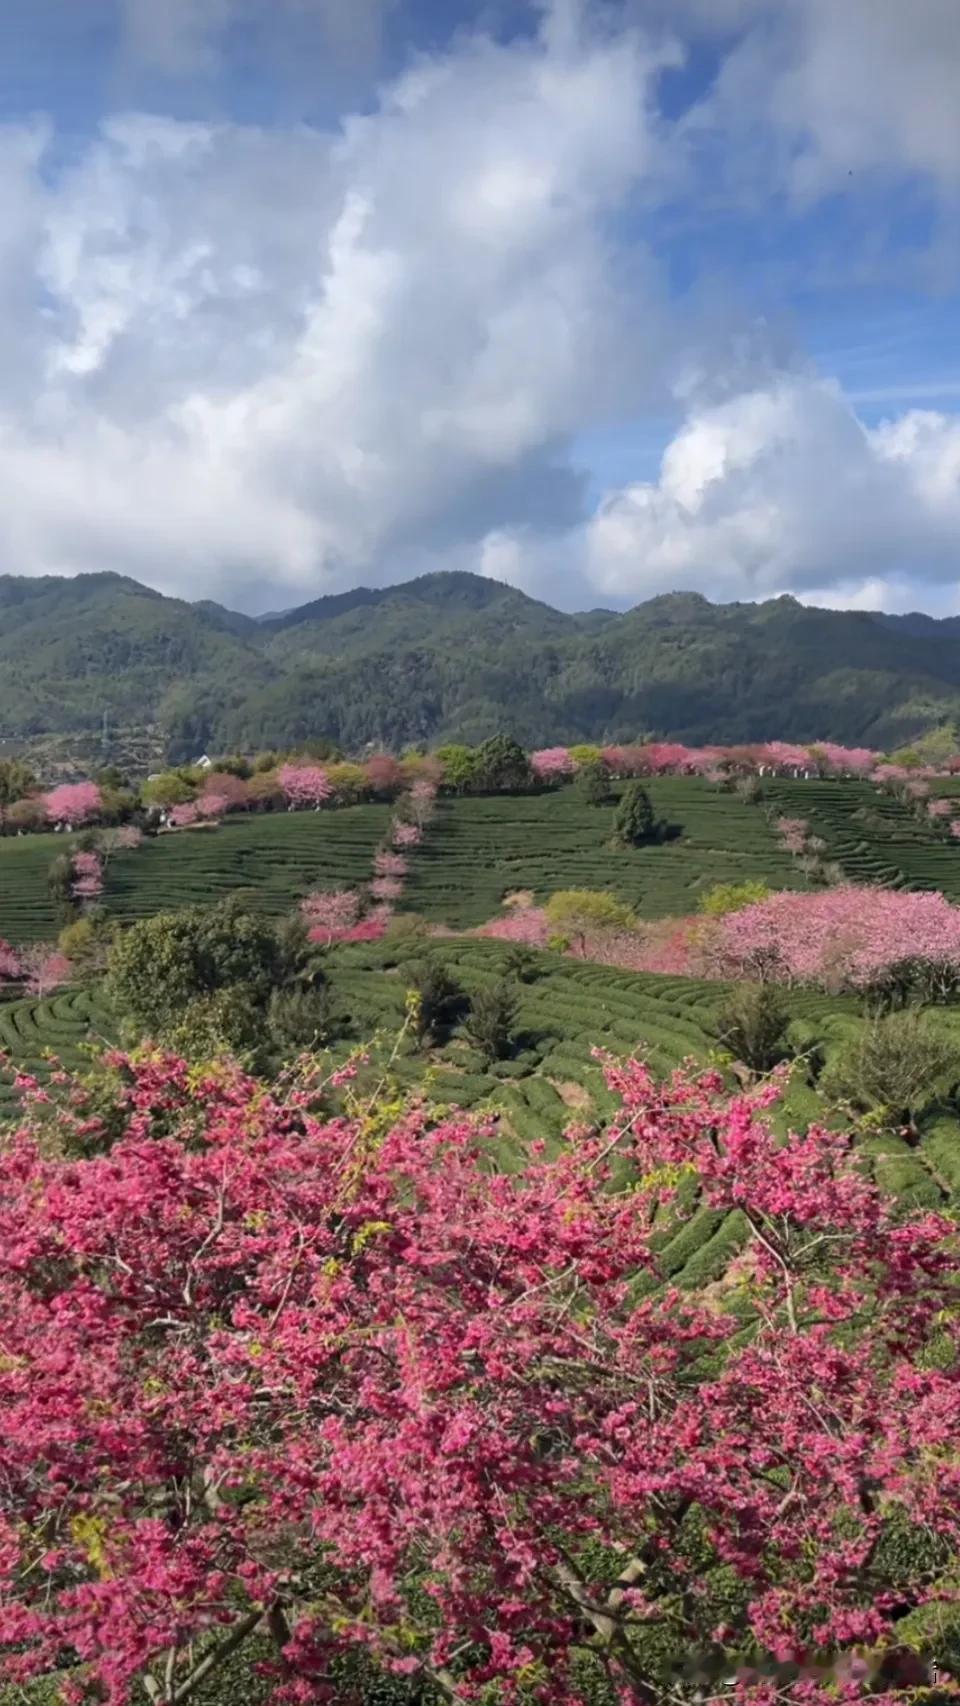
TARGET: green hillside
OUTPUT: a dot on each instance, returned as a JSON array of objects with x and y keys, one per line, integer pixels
[
  {"x": 476, "y": 850},
  {"x": 459, "y": 656},
  {"x": 570, "y": 1009}
]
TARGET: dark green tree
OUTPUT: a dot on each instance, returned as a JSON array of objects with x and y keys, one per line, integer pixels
[
  {"x": 16, "y": 781},
  {"x": 520, "y": 962},
  {"x": 59, "y": 888},
  {"x": 593, "y": 783},
  {"x": 752, "y": 1026},
  {"x": 501, "y": 765},
  {"x": 634, "y": 821},
  {"x": 491, "y": 1021},
  {"x": 440, "y": 1000},
  {"x": 300, "y": 1018},
  {"x": 163, "y": 964}
]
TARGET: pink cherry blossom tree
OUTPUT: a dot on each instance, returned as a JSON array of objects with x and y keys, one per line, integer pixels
[
  {"x": 11, "y": 964},
  {"x": 44, "y": 969},
  {"x": 73, "y": 803},
  {"x": 330, "y": 914},
  {"x": 552, "y": 764},
  {"x": 263, "y": 1377},
  {"x": 87, "y": 884},
  {"x": 304, "y": 785}
]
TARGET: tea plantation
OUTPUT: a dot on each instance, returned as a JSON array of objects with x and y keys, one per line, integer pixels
[
  {"x": 474, "y": 852},
  {"x": 479, "y": 849},
  {"x": 874, "y": 837},
  {"x": 567, "y": 1010}
]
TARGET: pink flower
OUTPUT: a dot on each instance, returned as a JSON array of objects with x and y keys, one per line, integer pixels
[
  {"x": 87, "y": 876},
  {"x": 305, "y": 784},
  {"x": 181, "y": 817},
  {"x": 552, "y": 763},
  {"x": 388, "y": 864},
  {"x": 405, "y": 834},
  {"x": 44, "y": 969},
  {"x": 240, "y": 1333},
  {"x": 330, "y": 914},
  {"x": 386, "y": 888},
  {"x": 11, "y": 965},
  {"x": 73, "y": 803}
]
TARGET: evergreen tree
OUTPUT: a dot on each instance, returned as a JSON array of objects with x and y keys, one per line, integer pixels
[
  {"x": 634, "y": 821},
  {"x": 593, "y": 783}
]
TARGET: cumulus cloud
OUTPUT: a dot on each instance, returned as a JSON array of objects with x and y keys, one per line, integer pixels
[
  {"x": 290, "y": 356},
  {"x": 260, "y": 362},
  {"x": 848, "y": 86},
  {"x": 780, "y": 488}
]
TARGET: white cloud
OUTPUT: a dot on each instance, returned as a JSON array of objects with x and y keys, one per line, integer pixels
[
  {"x": 291, "y": 357},
  {"x": 186, "y": 38},
  {"x": 849, "y": 86},
  {"x": 273, "y": 361},
  {"x": 781, "y": 488}
]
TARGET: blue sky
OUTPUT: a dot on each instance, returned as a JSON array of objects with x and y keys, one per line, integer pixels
[{"x": 603, "y": 297}]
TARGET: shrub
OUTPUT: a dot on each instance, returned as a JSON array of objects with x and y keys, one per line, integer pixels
[
  {"x": 753, "y": 1025},
  {"x": 520, "y": 962},
  {"x": 163, "y": 964},
  {"x": 897, "y": 1069},
  {"x": 574, "y": 915},
  {"x": 492, "y": 1018},
  {"x": 501, "y": 766},
  {"x": 730, "y": 897},
  {"x": 60, "y": 887},
  {"x": 300, "y": 1018}
]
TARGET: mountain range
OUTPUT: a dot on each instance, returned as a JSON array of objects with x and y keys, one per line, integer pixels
[{"x": 458, "y": 656}]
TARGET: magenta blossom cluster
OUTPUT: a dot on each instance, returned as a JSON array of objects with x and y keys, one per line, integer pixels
[
  {"x": 268, "y": 1384},
  {"x": 87, "y": 883},
  {"x": 73, "y": 804},
  {"x": 850, "y": 937},
  {"x": 305, "y": 785}
]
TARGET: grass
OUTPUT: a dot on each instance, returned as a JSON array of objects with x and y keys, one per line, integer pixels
[{"x": 26, "y": 914}]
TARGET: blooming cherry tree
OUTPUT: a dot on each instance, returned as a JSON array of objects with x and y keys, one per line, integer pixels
[
  {"x": 330, "y": 914},
  {"x": 262, "y": 1375},
  {"x": 44, "y": 969},
  {"x": 73, "y": 804},
  {"x": 304, "y": 785},
  {"x": 87, "y": 881},
  {"x": 552, "y": 764},
  {"x": 11, "y": 965}
]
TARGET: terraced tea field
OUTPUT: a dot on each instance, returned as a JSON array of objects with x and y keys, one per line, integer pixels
[
  {"x": 569, "y": 1009},
  {"x": 479, "y": 849},
  {"x": 873, "y": 836},
  {"x": 26, "y": 914},
  {"x": 65, "y": 1024},
  {"x": 275, "y": 859}
]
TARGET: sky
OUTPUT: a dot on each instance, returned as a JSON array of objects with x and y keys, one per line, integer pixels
[{"x": 604, "y": 298}]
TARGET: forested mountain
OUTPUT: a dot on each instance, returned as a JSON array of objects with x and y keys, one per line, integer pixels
[{"x": 456, "y": 655}]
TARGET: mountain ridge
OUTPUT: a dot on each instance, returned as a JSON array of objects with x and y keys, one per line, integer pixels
[{"x": 454, "y": 655}]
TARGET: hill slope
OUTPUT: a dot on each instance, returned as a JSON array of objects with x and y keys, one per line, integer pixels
[{"x": 456, "y": 655}]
